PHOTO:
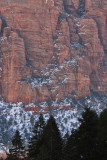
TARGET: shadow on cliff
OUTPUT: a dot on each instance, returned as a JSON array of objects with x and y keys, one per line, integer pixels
[
  {"x": 70, "y": 9},
  {"x": 4, "y": 24}
]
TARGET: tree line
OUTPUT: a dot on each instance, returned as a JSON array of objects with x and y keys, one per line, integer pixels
[{"x": 88, "y": 142}]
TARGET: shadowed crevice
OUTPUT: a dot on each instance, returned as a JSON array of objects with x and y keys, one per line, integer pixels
[
  {"x": 81, "y": 8},
  {"x": 4, "y": 24}
]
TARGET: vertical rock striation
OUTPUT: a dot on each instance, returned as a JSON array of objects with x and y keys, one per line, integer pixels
[{"x": 52, "y": 49}]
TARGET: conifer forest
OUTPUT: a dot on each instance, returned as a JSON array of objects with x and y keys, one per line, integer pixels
[{"x": 88, "y": 142}]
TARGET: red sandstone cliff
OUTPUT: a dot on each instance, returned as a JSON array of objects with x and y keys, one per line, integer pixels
[{"x": 52, "y": 49}]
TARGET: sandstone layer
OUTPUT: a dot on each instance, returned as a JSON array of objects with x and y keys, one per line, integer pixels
[{"x": 51, "y": 49}]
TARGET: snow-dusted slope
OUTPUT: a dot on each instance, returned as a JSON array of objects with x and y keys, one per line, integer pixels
[{"x": 66, "y": 113}]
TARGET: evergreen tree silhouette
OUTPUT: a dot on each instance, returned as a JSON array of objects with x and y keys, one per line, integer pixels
[
  {"x": 81, "y": 144},
  {"x": 16, "y": 152},
  {"x": 102, "y": 136},
  {"x": 51, "y": 148},
  {"x": 87, "y": 134},
  {"x": 71, "y": 148},
  {"x": 36, "y": 140}
]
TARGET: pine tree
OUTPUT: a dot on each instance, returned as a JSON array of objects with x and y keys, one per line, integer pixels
[
  {"x": 36, "y": 140},
  {"x": 82, "y": 142},
  {"x": 71, "y": 148},
  {"x": 102, "y": 136},
  {"x": 87, "y": 135},
  {"x": 51, "y": 147},
  {"x": 16, "y": 152}
]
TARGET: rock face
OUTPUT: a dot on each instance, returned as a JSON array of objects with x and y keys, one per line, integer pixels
[{"x": 52, "y": 49}]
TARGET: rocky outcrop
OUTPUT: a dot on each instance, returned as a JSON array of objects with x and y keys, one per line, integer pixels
[{"x": 52, "y": 49}]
